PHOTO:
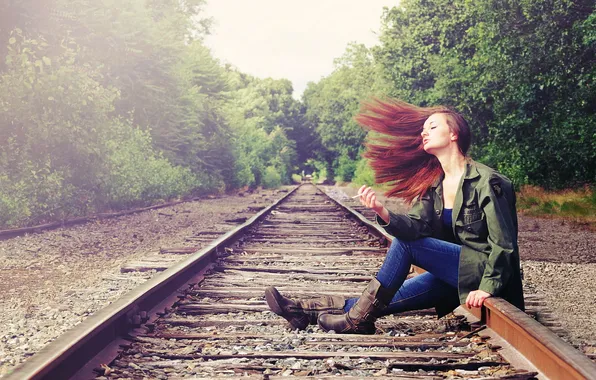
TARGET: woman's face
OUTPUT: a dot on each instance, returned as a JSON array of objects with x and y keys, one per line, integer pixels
[{"x": 436, "y": 134}]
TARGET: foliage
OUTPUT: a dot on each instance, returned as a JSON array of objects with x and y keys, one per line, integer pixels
[
  {"x": 262, "y": 113},
  {"x": 364, "y": 175},
  {"x": 62, "y": 151},
  {"x": 271, "y": 178},
  {"x": 520, "y": 71},
  {"x": 296, "y": 178},
  {"x": 319, "y": 173},
  {"x": 135, "y": 175},
  {"x": 40, "y": 193},
  {"x": 332, "y": 103},
  {"x": 54, "y": 116},
  {"x": 197, "y": 132},
  {"x": 345, "y": 168},
  {"x": 111, "y": 104}
]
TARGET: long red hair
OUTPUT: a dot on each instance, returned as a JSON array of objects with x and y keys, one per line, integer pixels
[{"x": 395, "y": 151}]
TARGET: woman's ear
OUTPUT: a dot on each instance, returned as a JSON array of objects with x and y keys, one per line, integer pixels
[{"x": 453, "y": 136}]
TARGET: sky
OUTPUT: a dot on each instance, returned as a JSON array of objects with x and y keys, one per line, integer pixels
[{"x": 292, "y": 39}]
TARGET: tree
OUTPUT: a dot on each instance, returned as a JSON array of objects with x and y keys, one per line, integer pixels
[
  {"x": 332, "y": 103},
  {"x": 521, "y": 72},
  {"x": 262, "y": 114}
]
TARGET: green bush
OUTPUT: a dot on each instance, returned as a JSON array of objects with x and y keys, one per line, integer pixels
[
  {"x": 271, "y": 178},
  {"x": 137, "y": 175},
  {"x": 508, "y": 161},
  {"x": 243, "y": 175},
  {"x": 63, "y": 154},
  {"x": 39, "y": 195},
  {"x": 345, "y": 168},
  {"x": 364, "y": 175},
  {"x": 14, "y": 205},
  {"x": 319, "y": 176},
  {"x": 320, "y": 172},
  {"x": 296, "y": 178}
]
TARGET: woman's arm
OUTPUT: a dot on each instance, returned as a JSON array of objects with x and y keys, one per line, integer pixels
[
  {"x": 408, "y": 227},
  {"x": 369, "y": 199}
]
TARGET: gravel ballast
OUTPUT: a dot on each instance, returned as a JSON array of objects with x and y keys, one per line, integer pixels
[{"x": 51, "y": 281}]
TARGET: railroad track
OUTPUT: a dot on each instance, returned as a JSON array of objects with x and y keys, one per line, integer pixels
[{"x": 206, "y": 317}]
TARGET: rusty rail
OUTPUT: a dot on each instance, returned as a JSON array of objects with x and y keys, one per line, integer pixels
[
  {"x": 278, "y": 247},
  {"x": 14, "y": 232},
  {"x": 60, "y": 358},
  {"x": 552, "y": 356}
]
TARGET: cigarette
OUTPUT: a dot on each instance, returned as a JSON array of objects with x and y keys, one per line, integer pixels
[{"x": 356, "y": 196}]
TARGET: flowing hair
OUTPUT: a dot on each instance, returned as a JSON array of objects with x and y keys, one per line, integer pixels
[{"x": 395, "y": 150}]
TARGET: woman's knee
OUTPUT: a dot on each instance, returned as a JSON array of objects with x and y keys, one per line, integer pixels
[
  {"x": 422, "y": 291},
  {"x": 399, "y": 246}
]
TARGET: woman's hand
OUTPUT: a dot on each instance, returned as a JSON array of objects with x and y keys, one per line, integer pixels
[
  {"x": 476, "y": 298},
  {"x": 369, "y": 199}
]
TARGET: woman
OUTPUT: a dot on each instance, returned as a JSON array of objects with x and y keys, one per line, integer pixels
[{"x": 462, "y": 227}]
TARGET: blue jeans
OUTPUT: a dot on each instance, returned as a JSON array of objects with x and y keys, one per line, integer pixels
[{"x": 440, "y": 259}]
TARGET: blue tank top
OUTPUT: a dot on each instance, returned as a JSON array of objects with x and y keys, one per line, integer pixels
[{"x": 447, "y": 225}]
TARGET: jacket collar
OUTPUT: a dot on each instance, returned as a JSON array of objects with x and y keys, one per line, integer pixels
[
  {"x": 470, "y": 173},
  {"x": 471, "y": 169}
]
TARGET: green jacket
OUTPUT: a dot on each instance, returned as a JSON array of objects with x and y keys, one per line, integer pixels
[{"x": 484, "y": 223}]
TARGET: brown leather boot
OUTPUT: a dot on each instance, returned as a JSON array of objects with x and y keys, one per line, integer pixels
[
  {"x": 362, "y": 316},
  {"x": 304, "y": 312}
]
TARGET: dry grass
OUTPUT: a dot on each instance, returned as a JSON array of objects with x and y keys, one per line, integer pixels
[{"x": 577, "y": 206}]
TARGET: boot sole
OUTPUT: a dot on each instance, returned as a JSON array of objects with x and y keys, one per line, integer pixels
[{"x": 271, "y": 296}]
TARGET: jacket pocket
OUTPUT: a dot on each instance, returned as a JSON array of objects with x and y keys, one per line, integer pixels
[
  {"x": 471, "y": 215},
  {"x": 476, "y": 231}
]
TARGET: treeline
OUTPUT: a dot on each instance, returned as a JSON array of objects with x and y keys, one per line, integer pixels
[
  {"x": 111, "y": 104},
  {"x": 521, "y": 72}
]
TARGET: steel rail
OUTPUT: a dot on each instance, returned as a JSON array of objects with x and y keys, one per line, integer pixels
[
  {"x": 64, "y": 357},
  {"x": 11, "y": 233},
  {"x": 551, "y": 355}
]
